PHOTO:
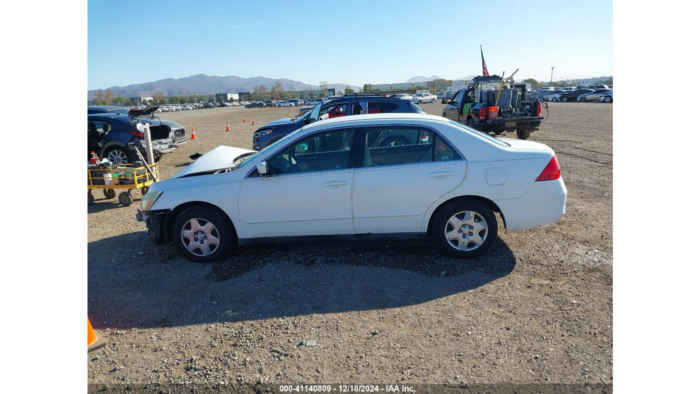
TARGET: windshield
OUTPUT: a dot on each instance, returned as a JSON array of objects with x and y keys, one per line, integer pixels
[
  {"x": 266, "y": 149},
  {"x": 480, "y": 134}
]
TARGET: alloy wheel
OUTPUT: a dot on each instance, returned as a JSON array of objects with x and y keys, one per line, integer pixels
[
  {"x": 200, "y": 237},
  {"x": 466, "y": 230}
]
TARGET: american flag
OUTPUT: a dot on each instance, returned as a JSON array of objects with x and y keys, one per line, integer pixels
[{"x": 483, "y": 63}]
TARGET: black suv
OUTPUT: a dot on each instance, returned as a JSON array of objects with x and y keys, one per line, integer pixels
[
  {"x": 344, "y": 106},
  {"x": 255, "y": 104}
]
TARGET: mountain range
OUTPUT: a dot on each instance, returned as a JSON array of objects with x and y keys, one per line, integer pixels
[
  {"x": 206, "y": 84},
  {"x": 434, "y": 77}
]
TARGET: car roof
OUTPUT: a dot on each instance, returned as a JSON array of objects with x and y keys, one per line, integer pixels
[
  {"x": 371, "y": 118},
  {"x": 110, "y": 115}
]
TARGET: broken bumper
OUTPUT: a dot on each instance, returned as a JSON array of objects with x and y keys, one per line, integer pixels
[{"x": 154, "y": 223}]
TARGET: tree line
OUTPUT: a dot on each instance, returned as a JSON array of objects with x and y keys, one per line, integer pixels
[{"x": 259, "y": 93}]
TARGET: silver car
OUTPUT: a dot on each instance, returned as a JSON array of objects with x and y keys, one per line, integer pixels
[
  {"x": 595, "y": 96},
  {"x": 607, "y": 97}
]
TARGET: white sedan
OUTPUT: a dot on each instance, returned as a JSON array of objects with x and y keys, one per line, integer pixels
[
  {"x": 344, "y": 177},
  {"x": 284, "y": 104}
]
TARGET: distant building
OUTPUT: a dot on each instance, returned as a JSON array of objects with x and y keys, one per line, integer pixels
[
  {"x": 140, "y": 100},
  {"x": 227, "y": 96}
]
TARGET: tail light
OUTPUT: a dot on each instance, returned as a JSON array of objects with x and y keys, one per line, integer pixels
[
  {"x": 482, "y": 113},
  {"x": 137, "y": 134},
  {"x": 539, "y": 108},
  {"x": 551, "y": 172},
  {"x": 493, "y": 112}
]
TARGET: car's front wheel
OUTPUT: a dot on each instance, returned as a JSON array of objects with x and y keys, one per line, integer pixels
[
  {"x": 202, "y": 235},
  {"x": 564, "y": 99},
  {"x": 465, "y": 228},
  {"x": 608, "y": 99}
]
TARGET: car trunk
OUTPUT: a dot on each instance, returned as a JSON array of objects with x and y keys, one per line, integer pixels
[{"x": 159, "y": 132}]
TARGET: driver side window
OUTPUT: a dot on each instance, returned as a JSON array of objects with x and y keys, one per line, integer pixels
[{"x": 320, "y": 152}]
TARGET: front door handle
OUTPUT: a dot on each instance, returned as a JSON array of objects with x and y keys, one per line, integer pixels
[
  {"x": 441, "y": 174},
  {"x": 335, "y": 183}
]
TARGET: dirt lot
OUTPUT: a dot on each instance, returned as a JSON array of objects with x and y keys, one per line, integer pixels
[{"x": 537, "y": 308}]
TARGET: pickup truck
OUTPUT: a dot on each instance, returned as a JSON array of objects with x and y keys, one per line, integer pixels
[{"x": 481, "y": 107}]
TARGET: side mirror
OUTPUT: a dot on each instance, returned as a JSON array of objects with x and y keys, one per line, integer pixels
[{"x": 263, "y": 169}]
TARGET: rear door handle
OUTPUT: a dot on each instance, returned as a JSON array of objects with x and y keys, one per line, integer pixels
[
  {"x": 335, "y": 183},
  {"x": 441, "y": 174}
]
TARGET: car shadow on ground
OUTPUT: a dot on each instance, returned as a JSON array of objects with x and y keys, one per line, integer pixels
[
  {"x": 102, "y": 204},
  {"x": 135, "y": 284}
]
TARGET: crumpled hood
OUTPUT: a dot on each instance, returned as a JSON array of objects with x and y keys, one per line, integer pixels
[
  {"x": 278, "y": 122},
  {"x": 218, "y": 158}
]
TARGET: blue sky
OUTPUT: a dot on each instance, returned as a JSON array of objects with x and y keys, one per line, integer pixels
[{"x": 353, "y": 42}]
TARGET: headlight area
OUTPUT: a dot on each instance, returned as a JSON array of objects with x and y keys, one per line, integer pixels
[
  {"x": 149, "y": 199},
  {"x": 261, "y": 133}
]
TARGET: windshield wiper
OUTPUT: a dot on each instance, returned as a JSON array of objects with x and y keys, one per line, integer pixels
[{"x": 238, "y": 160}]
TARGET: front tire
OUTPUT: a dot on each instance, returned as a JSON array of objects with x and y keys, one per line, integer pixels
[
  {"x": 608, "y": 99},
  {"x": 202, "y": 235},
  {"x": 564, "y": 99},
  {"x": 465, "y": 228}
]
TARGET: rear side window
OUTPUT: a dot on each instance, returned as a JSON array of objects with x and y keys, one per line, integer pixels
[
  {"x": 375, "y": 108},
  {"x": 415, "y": 107},
  {"x": 389, "y": 106},
  {"x": 386, "y": 146}
]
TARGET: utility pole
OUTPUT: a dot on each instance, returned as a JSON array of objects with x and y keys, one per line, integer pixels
[{"x": 551, "y": 77}]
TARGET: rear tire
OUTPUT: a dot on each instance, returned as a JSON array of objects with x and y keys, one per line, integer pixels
[
  {"x": 523, "y": 134},
  {"x": 564, "y": 99},
  {"x": 470, "y": 122},
  {"x": 465, "y": 228},
  {"x": 608, "y": 99},
  {"x": 118, "y": 155},
  {"x": 109, "y": 193}
]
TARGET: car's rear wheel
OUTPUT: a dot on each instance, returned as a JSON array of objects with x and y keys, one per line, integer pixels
[
  {"x": 470, "y": 122},
  {"x": 202, "y": 235},
  {"x": 523, "y": 134},
  {"x": 564, "y": 99},
  {"x": 465, "y": 228},
  {"x": 118, "y": 155},
  {"x": 608, "y": 99}
]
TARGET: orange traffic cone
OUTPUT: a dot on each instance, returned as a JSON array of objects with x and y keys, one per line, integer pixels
[
  {"x": 94, "y": 341},
  {"x": 244, "y": 119},
  {"x": 253, "y": 122},
  {"x": 192, "y": 137},
  {"x": 227, "y": 128}
]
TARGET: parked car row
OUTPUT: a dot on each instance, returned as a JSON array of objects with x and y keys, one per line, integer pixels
[{"x": 566, "y": 94}]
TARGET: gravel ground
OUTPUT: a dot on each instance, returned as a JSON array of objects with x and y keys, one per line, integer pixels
[{"x": 537, "y": 308}]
